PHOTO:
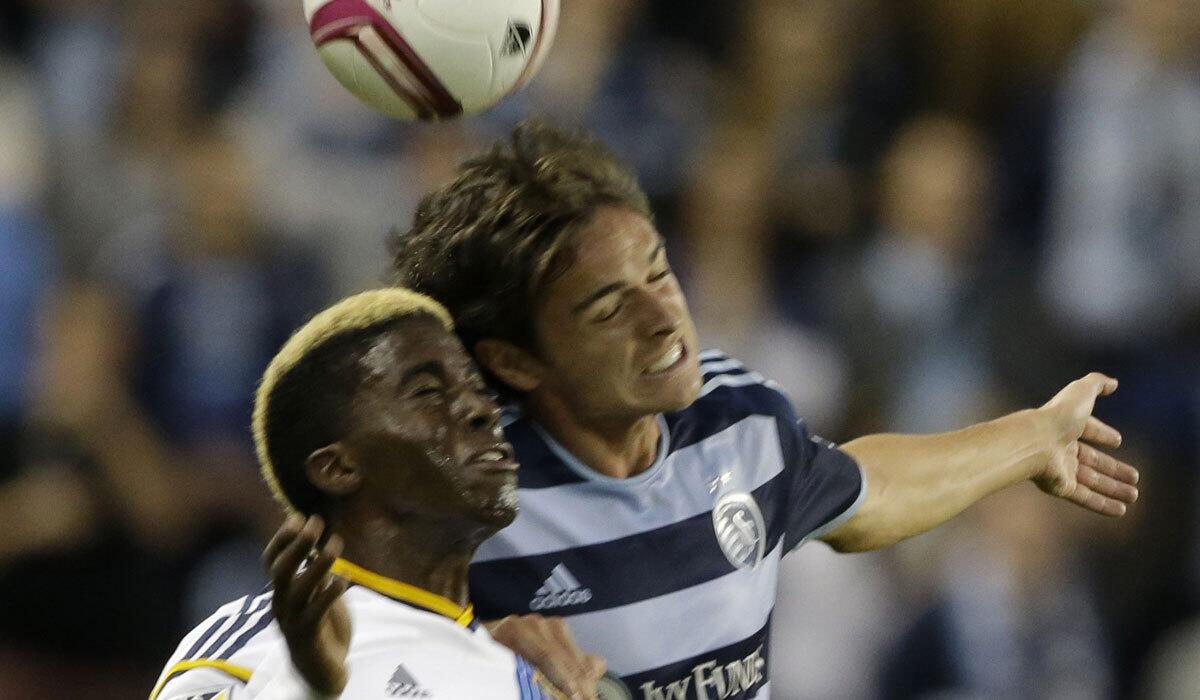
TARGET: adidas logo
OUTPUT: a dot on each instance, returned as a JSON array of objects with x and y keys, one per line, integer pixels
[
  {"x": 559, "y": 590},
  {"x": 403, "y": 685}
]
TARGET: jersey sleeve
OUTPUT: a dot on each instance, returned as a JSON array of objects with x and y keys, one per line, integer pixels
[
  {"x": 216, "y": 659},
  {"x": 825, "y": 486},
  {"x": 215, "y": 682}
]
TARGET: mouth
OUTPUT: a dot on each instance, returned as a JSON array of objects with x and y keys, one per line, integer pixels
[
  {"x": 669, "y": 361},
  {"x": 495, "y": 458}
]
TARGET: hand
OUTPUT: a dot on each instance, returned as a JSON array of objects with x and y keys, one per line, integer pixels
[
  {"x": 307, "y": 604},
  {"x": 547, "y": 644},
  {"x": 1077, "y": 471}
]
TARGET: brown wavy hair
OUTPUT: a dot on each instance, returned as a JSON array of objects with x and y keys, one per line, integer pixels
[{"x": 487, "y": 244}]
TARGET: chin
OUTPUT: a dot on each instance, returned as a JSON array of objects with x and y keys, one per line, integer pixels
[
  {"x": 500, "y": 510},
  {"x": 679, "y": 397}
]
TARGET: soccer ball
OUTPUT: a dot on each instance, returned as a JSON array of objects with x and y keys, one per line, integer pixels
[{"x": 432, "y": 59}]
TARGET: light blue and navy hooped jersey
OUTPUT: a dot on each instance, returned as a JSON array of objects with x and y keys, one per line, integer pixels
[{"x": 671, "y": 574}]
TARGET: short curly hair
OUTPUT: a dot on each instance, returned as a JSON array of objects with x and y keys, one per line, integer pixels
[
  {"x": 486, "y": 244},
  {"x": 303, "y": 401}
]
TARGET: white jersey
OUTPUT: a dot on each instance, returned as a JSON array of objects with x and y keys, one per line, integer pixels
[{"x": 406, "y": 643}]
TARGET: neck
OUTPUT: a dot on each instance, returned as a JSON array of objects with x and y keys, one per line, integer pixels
[
  {"x": 618, "y": 448},
  {"x": 428, "y": 554}
]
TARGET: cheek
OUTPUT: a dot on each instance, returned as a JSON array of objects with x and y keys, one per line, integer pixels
[{"x": 594, "y": 356}]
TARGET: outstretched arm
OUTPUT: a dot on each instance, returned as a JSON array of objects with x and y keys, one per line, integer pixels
[{"x": 917, "y": 482}]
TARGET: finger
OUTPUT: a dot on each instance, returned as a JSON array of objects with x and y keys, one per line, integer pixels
[
  {"x": 582, "y": 690},
  {"x": 595, "y": 667},
  {"x": 1101, "y": 383},
  {"x": 1097, "y": 503},
  {"x": 499, "y": 629},
  {"x": 287, "y": 563},
  {"x": 1098, "y": 432},
  {"x": 286, "y": 532},
  {"x": 1106, "y": 485},
  {"x": 558, "y": 630},
  {"x": 581, "y": 682},
  {"x": 331, "y": 589},
  {"x": 553, "y": 689},
  {"x": 1109, "y": 465},
  {"x": 315, "y": 574}
]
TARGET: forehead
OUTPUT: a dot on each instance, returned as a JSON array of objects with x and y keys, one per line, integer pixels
[
  {"x": 614, "y": 242},
  {"x": 412, "y": 342}
]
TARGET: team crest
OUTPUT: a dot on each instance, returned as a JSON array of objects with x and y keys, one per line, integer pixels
[{"x": 738, "y": 523}]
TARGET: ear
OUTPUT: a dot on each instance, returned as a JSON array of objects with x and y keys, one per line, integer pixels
[
  {"x": 512, "y": 365},
  {"x": 332, "y": 470}
]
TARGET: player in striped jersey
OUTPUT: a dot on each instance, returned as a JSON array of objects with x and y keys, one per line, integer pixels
[
  {"x": 373, "y": 416},
  {"x": 660, "y": 485}
]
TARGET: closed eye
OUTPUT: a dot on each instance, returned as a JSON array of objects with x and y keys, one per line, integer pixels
[
  {"x": 611, "y": 314},
  {"x": 425, "y": 391}
]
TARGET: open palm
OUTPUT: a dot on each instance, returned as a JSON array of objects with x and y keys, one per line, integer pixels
[{"x": 1077, "y": 471}]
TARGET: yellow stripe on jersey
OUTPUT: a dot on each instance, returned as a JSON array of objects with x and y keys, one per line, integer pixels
[
  {"x": 405, "y": 592},
  {"x": 239, "y": 672}
]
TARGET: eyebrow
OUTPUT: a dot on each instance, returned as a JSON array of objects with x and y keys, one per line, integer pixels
[
  {"x": 431, "y": 367},
  {"x": 615, "y": 286}
]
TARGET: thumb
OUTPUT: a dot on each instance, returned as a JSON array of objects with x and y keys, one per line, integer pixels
[{"x": 1100, "y": 384}]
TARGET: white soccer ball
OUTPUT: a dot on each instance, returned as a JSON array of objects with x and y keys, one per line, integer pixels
[{"x": 432, "y": 59}]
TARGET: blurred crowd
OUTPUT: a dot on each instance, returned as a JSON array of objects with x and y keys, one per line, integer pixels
[{"x": 914, "y": 214}]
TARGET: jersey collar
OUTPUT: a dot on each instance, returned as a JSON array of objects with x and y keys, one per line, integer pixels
[
  {"x": 576, "y": 465},
  {"x": 406, "y": 593}
]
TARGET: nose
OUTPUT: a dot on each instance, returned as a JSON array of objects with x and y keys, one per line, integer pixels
[
  {"x": 477, "y": 410},
  {"x": 660, "y": 312}
]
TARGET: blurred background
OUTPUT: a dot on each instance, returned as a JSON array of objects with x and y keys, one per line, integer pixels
[{"x": 914, "y": 214}]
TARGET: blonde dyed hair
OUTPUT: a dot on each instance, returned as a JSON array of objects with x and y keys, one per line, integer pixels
[{"x": 360, "y": 312}]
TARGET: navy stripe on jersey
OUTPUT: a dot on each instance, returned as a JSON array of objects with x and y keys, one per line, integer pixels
[
  {"x": 207, "y": 635},
  {"x": 541, "y": 468},
  {"x": 213, "y": 650},
  {"x": 241, "y": 640},
  {"x": 721, "y": 408},
  {"x": 207, "y": 643},
  {"x": 826, "y": 490},
  {"x": 618, "y": 569},
  {"x": 732, "y": 672}
]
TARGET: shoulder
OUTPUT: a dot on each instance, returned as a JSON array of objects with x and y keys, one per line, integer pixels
[
  {"x": 222, "y": 651},
  {"x": 730, "y": 393}
]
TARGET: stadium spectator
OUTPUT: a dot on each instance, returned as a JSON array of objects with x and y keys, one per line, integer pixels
[
  {"x": 27, "y": 263},
  {"x": 91, "y": 523},
  {"x": 928, "y": 296},
  {"x": 1126, "y": 206},
  {"x": 1001, "y": 618},
  {"x": 213, "y": 292}
]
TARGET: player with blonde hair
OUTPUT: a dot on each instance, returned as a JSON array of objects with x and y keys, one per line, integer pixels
[{"x": 373, "y": 419}]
